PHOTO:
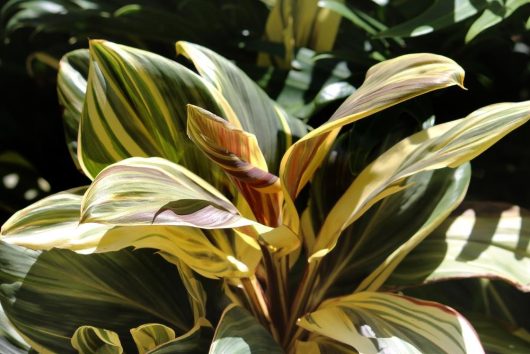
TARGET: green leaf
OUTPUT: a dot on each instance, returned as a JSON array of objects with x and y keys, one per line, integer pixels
[
  {"x": 48, "y": 295},
  {"x": 151, "y": 335},
  {"x": 238, "y": 332},
  {"x": 136, "y": 106},
  {"x": 71, "y": 90},
  {"x": 439, "y": 15},
  {"x": 374, "y": 322},
  {"x": 88, "y": 339},
  {"x": 196, "y": 341},
  {"x": 257, "y": 113},
  {"x": 497, "y": 339},
  {"x": 385, "y": 234},
  {"x": 480, "y": 240},
  {"x": 10, "y": 341},
  {"x": 446, "y": 145},
  {"x": 494, "y": 13},
  {"x": 386, "y": 84}
]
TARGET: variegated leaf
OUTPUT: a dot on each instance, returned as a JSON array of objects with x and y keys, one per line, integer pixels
[
  {"x": 480, "y": 240},
  {"x": 154, "y": 191},
  {"x": 48, "y": 295},
  {"x": 385, "y": 234},
  {"x": 151, "y": 335},
  {"x": 255, "y": 111},
  {"x": 54, "y": 223},
  {"x": 196, "y": 341},
  {"x": 238, "y": 154},
  {"x": 71, "y": 90},
  {"x": 238, "y": 332},
  {"x": 446, "y": 145},
  {"x": 386, "y": 84},
  {"x": 136, "y": 106},
  {"x": 381, "y": 322},
  {"x": 89, "y": 339}
]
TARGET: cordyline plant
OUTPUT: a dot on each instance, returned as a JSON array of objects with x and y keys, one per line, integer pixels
[{"x": 247, "y": 240}]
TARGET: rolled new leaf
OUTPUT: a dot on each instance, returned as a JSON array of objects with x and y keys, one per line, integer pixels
[{"x": 88, "y": 339}]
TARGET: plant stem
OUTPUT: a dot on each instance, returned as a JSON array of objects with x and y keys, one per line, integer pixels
[
  {"x": 276, "y": 289},
  {"x": 258, "y": 303},
  {"x": 299, "y": 305}
]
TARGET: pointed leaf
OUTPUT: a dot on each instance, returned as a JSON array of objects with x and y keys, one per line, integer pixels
[
  {"x": 445, "y": 145},
  {"x": 373, "y": 322},
  {"x": 386, "y": 84},
  {"x": 54, "y": 223},
  {"x": 136, "y": 106},
  {"x": 494, "y": 13},
  {"x": 151, "y": 335},
  {"x": 48, "y": 295},
  {"x": 381, "y": 238},
  {"x": 238, "y": 154},
  {"x": 71, "y": 90},
  {"x": 480, "y": 240},
  {"x": 88, "y": 339},
  {"x": 257, "y": 113},
  {"x": 239, "y": 332},
  {"x": 154, "y": 191}
]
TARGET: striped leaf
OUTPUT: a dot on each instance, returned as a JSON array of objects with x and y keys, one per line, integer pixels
[
  {"x": 54, "y": 223},
  {"x": 374, "y": 322},
  {"x": 71, "y": 91},
  {"x": 238, "y": 154},
  {"x": 151, "y": 335},
  {"x": 386, "y": 84},
  {"x": 88, "y": 340},
  {"x": 10, "y": 340},
  {"x": 154, "y": 191},
  {"x": 256, "y": 112},
  {"x": 238, "y": 332},
  {"x": 386, "y": 234},
  {"x": 446, "y": 145},
  {"x": 480, "y": 240},
  {"x": 48, "y": 295},
  {"x": 136, "y": 106}
]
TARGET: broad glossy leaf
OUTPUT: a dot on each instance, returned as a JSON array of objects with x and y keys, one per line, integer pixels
[
  {"x": 54, "y": 222},
  {"x": 373, "y": 322},
  {"x": 383, "y": 236},
  {"x": 239, "y": 332},
  {"x": 49, "y": 295},
  {"x": 136, "y": 106},
  {"x": 10, "y": 341},
  {"x": 494, "y": 13},
  {"x": 257, "y": 114},
  {"x": 238, "y": 154},
  {"x": 154, "y": 191},
  {"x": 88, "y": 339},
  {"x": 441, "y": 14},
  {"x": 480, "y": 240},
  {"x": 446, "y": 145},
  {"x": 386, "y": 84},
  {"x": 151, "y": 335},
  {"x": 71, "y": 90}
]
